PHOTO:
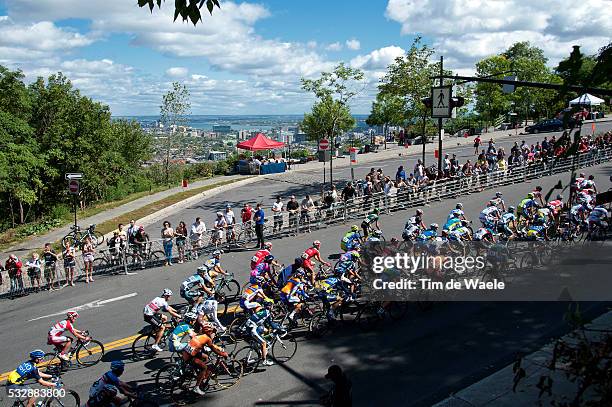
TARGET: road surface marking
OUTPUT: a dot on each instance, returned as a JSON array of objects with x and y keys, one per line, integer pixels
[{"x": 89, "y": 305}]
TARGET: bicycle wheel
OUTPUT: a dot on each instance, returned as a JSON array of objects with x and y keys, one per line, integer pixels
[
  {"x": 72, "y": 238},
  {"x": 369, "y": 317},
  {"x": 51, "y": 362},
  {"x": 249, "y": 357},
  {"x": 528, "y": 261},
  {"x": 165, "y": 376},
  {"x": 100, "y": 263},
  {"x": 319, "y": 325},
  {"x": 70, "y": 399},
  {"x": 248, "y": 238},
  {"x": 284, "y": 349},
  {"x": 228, "y": 290},
  {"x": 90, "y": 353},
  {"x": 225, "y": 375},
  {"x": 141, "y": 347},
  {"x": 236, "y": 330},
  {"x": 181, "y": 389},
  {"x": 97, "y": 238}
]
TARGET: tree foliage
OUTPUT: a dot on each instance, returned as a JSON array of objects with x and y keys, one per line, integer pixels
[
  {"x": 187, "y": 9},
  {"x": 327, "y": 119},
  {"x": 48, "y": 129},
  {"x": 387, "y": 110},
  {"x": 173, "y": 113}
]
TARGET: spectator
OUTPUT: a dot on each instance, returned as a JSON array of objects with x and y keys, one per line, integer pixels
[
  {"x": 131, "y": 231},
  {"x": 69, "y": 256},
  {"x": 123, "y": 236},
  {"x": 167, "y": 235},
  {"x": 340, "y": 394},
  {"x": 400, "y": 174},
  {"x": 219, "y": 227},
  {"x": 181, "y": 236},
  {"x": 88, "y": 258},
  {"x": 50, "y": 262},
  {"x": 476, "y": 145},
  {"x": 230, "y": 222},
  {"x": 446, "y": 166},
  {"x": 260, "y": 219},
  {"x": 34, "y": 271},
  {"x": 197, "y": 230},
  {"x": 246, "y": 214},
  {"x": 419, "y": 170},
  {"x": 334, "y": 194},
  {"x": 348, "y": 194},
  {"x": 13, "y": 267},
  {"x": 306, "y": 208},
  {"x": 293, "y": 207},
  {"x": 277, "y": 210},
  {"x": 141, "y": 240}
]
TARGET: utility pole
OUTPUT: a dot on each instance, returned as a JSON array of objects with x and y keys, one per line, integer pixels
[{"x": 440, "y": 119}]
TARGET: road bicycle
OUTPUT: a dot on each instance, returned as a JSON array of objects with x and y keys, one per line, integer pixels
[
  {"x": 227, "y": 287},
  {"x": 109, "y": 258},
  {"x": 141, "y": 347},
  {"x": 144, "y": 255},
  {"x": 54, "y": 397},
  {"x": 247, "y": 238},
  {"x": 282, "y": 349},
  {"x": 85, "y": 353},
  {"x": 77, "y": 238}
]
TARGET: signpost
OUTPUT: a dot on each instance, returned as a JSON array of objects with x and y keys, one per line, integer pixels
[
  {"x": 353, "y": 156},
  {"x": 74, "y": 189},
  {"x": 441, "y": 102},
  {"x": 324, "y": 144}
]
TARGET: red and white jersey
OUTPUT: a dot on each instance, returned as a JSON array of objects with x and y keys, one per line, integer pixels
[
  {"x": 59, "y": 328},
  {"x": 311, "y": 252},
  {"x": 555, "y": 205},
  {"x": 156, "y": 306},
  {"x": 259, "y": 256}
]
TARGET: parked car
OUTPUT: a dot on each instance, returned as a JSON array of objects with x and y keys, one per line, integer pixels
[{"x": 545, "y": 125}]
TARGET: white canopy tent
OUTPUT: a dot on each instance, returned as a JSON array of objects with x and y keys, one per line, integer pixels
[{"x": 587, "y": 99}]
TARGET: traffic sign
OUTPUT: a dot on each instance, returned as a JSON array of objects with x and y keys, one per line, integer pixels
[
  {"x": 74, "y": 175},
  {"x": 323, "y": 144},
  {"x": 73, "y": 186},
  {"x": 353, "y": 153},
  {"x": 441, "y": 101}
]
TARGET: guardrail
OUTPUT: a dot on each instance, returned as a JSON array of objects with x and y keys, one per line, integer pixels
[{"x": 128, "y": 258}]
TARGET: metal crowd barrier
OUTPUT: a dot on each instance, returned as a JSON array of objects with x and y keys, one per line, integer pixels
[{"x": 131, "y": 258}]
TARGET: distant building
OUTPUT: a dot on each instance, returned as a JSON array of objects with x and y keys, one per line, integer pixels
[
  {"x": 217, "y": 155},
  {"x": 244, "y": 135},
  {"x": 221, "y": 129},
  {"x": 299, "y": 138}
]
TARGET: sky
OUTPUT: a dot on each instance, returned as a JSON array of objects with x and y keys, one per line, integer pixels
[{"x": 248, "y": 57}]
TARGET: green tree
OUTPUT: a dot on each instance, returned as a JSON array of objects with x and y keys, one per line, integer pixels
[
  {"x": 187, "y": 9},
  {"x": 173, "y": 113},
  {"x": 327, "y": 119},
  {"x": 386, "y": 110}
]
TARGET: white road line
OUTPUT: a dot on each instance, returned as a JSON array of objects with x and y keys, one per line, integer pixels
[{"x": 93, "y": 304}]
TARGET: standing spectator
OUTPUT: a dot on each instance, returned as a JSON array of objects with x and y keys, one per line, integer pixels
[
  {"x": 88, "y": 258},
  {"x": 50, "y": 262},
  {"x": 306, "y": 208},
  {"x": 476, "y": 145},
  {"x": 334, "y": 194},
  {"x": 131, "y": 231},
  {"x": 454, "y": 163},
  {"x": 69, "y": 256},
  {"x": 219, "y": 227},
  {"x": 197, "y": 230},
  {"x": 230, "y": 221},
  {"x": 123, "y": 237},
  {"x": 141, "y": 241},
  {"x": 167, "y": 234},
  {"x": 260, "y": 219},
  {"x": 419, "y": 170},
  {"x": 34, "y": 271},
  {"x": 13, "y": 267},
  {"x": 293, "y": 208},
  {"x": 181, "y": 236},
  {"x": 277, "y": 209},
  {"x": 348, "y": 194},
  {"x": 446, "y": 166},
  {"x": 340, "y": 394},
  {"x": 400, "y": 174},
  {"x": 246, "y": 214}
]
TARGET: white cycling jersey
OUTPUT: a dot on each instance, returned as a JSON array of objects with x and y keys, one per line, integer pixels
[
  {"x": 156, "y": 306},
  {"x": 598, "y": 214}
]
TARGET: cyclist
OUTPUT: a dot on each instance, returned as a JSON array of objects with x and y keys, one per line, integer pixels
[
  {"x": 250, "y": 296},
  {"x": 230, "y": 220},
  {"x": 537, "y": 195},
  {"x": 257, "y": 324},
  {"x": 526, "y": 208},
  {"x": 577, "y": 213},
  {"x": 556, "y": 206},
  {"x": 57, "y": 338},
  {"x": 261, "y": 254},
  {"x": 588, "y": 184},
  {"x": 457, "y": 212},
  {"x": 484, "y": 235},
  {"x": 220, "y": 224},
  {"x": 191, "y": 289},
  {"x": 312, "y": 253},
  {"x": 292, "y": 294},
  {"x": 351, "y": 240},
  {"x": 429, "y": 234},
  {"x": 154, "y": 317},
  {"x": 489, "y": 216},
  {"x": 327, "y": 290},
  {"x": 376, "y": 236},
  {"x": 209, "y": 310},
  {"x": 370, "y": 219},
  {"x": 184, "y": 328},
  {"x": 29, "y": 370},
  {"x": 454, "y": 221},
  {"x": 544, "y": 214},
  {"x": 141, "y": 240},
  {"x": 499, "y": 201},
  {"x": 414, "y": 226},
  {"x": 507, "y": 223},
  {"x": 460, "y": 231},
  {"x": 105, "y": 391},
  {"x": 598, "y": 217},
  {"x": 194, "y": 353},
  {"x": 263, "y": 271},
  {"x": 212, "y": 267},
  {"x": 537, "y": 231}
]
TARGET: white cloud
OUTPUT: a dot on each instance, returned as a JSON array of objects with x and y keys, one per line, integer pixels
[
  {"x": 353, "y": 44},
  {"x": 465, "y": 31},
  {"x": 177, "y": 72},
  {"x": 311, "y": 44},
  {"x": 378, "y": 59},
  {"x": 334, "y": 46}
]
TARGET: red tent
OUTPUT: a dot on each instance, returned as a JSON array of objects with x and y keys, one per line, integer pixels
[{"x": 259, "y": 142}]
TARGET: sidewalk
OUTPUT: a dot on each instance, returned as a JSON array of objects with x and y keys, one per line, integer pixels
[
  {"x": 392, "y": 151},
  {"x": 496, "y": 389}
]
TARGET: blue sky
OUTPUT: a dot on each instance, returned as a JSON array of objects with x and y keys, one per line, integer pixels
[{"x": 249, "y": 56}]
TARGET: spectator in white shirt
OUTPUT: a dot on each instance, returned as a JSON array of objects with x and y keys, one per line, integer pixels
[
  {"x": 277, "y": 210},
  {"x": 197, "y": 230},
  {"x": 230, "y": 220}
]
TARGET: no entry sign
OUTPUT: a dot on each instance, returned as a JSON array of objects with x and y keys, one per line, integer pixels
[
  {"x": 323, "y": 144},
  {"x": 73, "y": 186}
]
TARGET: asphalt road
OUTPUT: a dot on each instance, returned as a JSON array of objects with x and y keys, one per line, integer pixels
[{"x": 414, "y": 362}]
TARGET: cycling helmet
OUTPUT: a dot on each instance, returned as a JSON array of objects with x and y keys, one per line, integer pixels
[
  {"x": 117, "y": 365},
  {"x": 419, "y": 212},
  {"x": 459, "y": 206},
  {"x": 530, "y": 195},
  {"x": 433, "y": 226},
  {"x": 355, "y": 228},
  {"x": 72, "y": 314},
  {"x": 228, "y": 206},
  {"x": 269, "y": 258},
  {"x": 538, "y": 188},
  {"x": 219, "y": 214},
  {"x": 511, "y": 209},
  {"x": 560, "y": 197},
  {"x": 355, "y": 254},
  {"x": 217, "y": 253},
  {"x": 591, "y": 177},
  {"x": 316, "y": 244},
  {"x": 375, "y": 211},
  {"x": 498, "y": 194},
  {"x": 268, "y": 246},
  {"x": 377, "y": 233},
  {"x": 190, "y": 316},
  {"x": 37, "y": 354},
  {"x": 167, "y": 292},
  {"x": 202, "y": 269},
  {"x": 110, "y": 390}
]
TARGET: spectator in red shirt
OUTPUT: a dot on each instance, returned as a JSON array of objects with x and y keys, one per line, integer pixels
[
  {"x": 246, "y": 213},
  {"x": 13, "y": 266}
]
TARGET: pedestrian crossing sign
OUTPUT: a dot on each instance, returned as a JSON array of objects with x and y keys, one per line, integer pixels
[{"x": 441, "y": 101}]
